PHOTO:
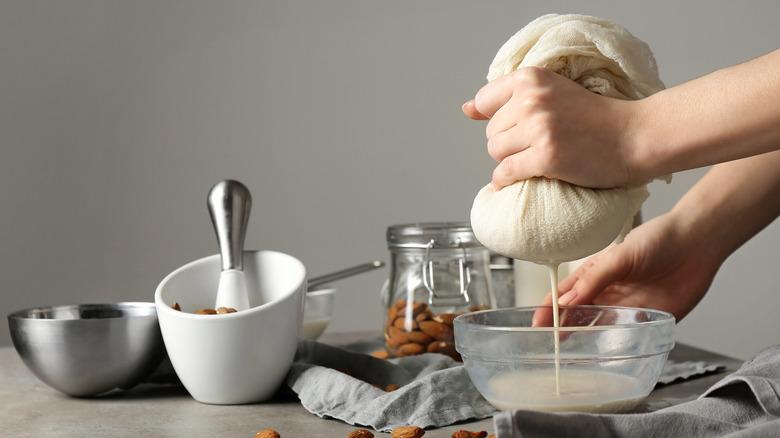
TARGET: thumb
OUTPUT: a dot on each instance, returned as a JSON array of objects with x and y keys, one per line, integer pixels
[{"x": 470, "y": 109}]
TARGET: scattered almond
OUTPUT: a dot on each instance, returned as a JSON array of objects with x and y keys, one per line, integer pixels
[
  {"x": 268, "y": 433},
  {"x": 220, "y": 311},
  {"x": 360, "y": 433},
  {"x": 407, "y": 432},
  {"x": 469, "y": 434}
]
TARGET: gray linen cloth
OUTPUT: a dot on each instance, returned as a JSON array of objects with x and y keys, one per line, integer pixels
[
  {"x": 678, "y": 371},
  {"x": 435, "y": 391},
  {"x": 745, "y": 403}
]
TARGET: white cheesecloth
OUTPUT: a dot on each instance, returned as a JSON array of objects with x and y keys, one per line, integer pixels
[{"x": 550, "y": 221}]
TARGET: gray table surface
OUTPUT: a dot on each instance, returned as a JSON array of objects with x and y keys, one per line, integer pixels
[{"x": 30, "y": 408}]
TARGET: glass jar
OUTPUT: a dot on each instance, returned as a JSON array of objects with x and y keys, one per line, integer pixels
[
  {"x": 437, "y": 271},
  {"x": 502, "y": 272}
]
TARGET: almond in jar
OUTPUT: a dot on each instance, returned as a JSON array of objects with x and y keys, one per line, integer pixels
[{"x": 437, "y": 271}]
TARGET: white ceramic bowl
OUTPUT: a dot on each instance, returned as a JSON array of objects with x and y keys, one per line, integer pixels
[
  {"x": 320, "y": 304},
  {"x": 240, "y": 357}
]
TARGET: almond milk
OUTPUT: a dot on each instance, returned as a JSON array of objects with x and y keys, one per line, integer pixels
[{"x": 580, "y": 391}]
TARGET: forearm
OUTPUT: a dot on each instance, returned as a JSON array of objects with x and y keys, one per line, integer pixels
[
  {"x": 733, "y": 202},
  {"x": 729, "y": 114}
]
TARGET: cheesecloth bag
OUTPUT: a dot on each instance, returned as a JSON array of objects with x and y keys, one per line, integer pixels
[{"x": 550, "y": 221}]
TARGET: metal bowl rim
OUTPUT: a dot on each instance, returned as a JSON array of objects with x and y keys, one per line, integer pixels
[{"x": 27, "y": 314}]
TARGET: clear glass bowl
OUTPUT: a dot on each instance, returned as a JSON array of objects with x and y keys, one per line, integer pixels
[{"x": 608, "y": 360}]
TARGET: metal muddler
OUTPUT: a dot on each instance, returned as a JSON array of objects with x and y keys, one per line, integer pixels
[{"x": 229, "y": 203}]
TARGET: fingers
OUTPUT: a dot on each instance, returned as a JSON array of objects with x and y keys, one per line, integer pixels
[
  {"x": 583, "y": 285},
  {"x": 599, "y": 273},
  {"x": 506, "y": 142},
  {"x": 515, "y": 167},
  {"x": 470, "y": 109},
  {"x": 495, "y": 94},
  {"x": 523, "y": 108},
  {"x": 566, "y": 284},
  {"x": 543, "y": 317}
]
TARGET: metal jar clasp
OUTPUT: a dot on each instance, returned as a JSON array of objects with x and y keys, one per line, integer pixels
[{"x": 464, "y": 276}]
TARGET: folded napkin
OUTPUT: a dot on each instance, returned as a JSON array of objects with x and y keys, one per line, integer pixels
[
  {"x": 745, "y": 403},
  {"x": 434, "y": 390}
]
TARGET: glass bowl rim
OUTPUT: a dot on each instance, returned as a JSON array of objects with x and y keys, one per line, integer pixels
[{"x": 664, "y": 319}]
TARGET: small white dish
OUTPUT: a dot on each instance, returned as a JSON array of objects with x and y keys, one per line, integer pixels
[{"x": 318, "y": 313}]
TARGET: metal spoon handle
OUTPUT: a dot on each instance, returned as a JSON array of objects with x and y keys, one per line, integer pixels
[
  {"x": 359, "y": 269},
  {"x": 229, "y": 203}
]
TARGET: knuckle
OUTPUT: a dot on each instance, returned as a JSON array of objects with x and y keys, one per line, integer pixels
[
  {"x": 503, "y": 173},
  {"x": 494, "y": 149},
  {"x": 529, "y": 75},
  {"x": 490, "y": 130}
]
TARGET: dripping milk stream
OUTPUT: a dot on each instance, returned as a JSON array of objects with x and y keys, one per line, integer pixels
[{"x": 553, "y": 268}]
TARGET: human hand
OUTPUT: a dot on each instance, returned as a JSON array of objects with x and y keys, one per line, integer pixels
[
  {"x": 658, "y": 266},
  {"x": 543, "y": 124}
]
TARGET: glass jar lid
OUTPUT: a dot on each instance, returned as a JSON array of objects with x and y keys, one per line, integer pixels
[{"x": 432, "y": 235}]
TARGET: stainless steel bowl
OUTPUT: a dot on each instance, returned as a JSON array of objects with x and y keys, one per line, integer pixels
[{"x": 89, "y": 349}]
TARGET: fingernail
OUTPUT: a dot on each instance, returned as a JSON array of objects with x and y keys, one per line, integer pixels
[{"x": 567, "y": 298}]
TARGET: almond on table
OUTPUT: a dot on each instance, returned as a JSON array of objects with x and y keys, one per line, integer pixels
[
  {"x": 469, "y": 434},
  {"x": 407, "y": 432}
]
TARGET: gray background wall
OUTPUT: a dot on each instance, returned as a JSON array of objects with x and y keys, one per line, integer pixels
[{"x": 342, "y": 117}]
